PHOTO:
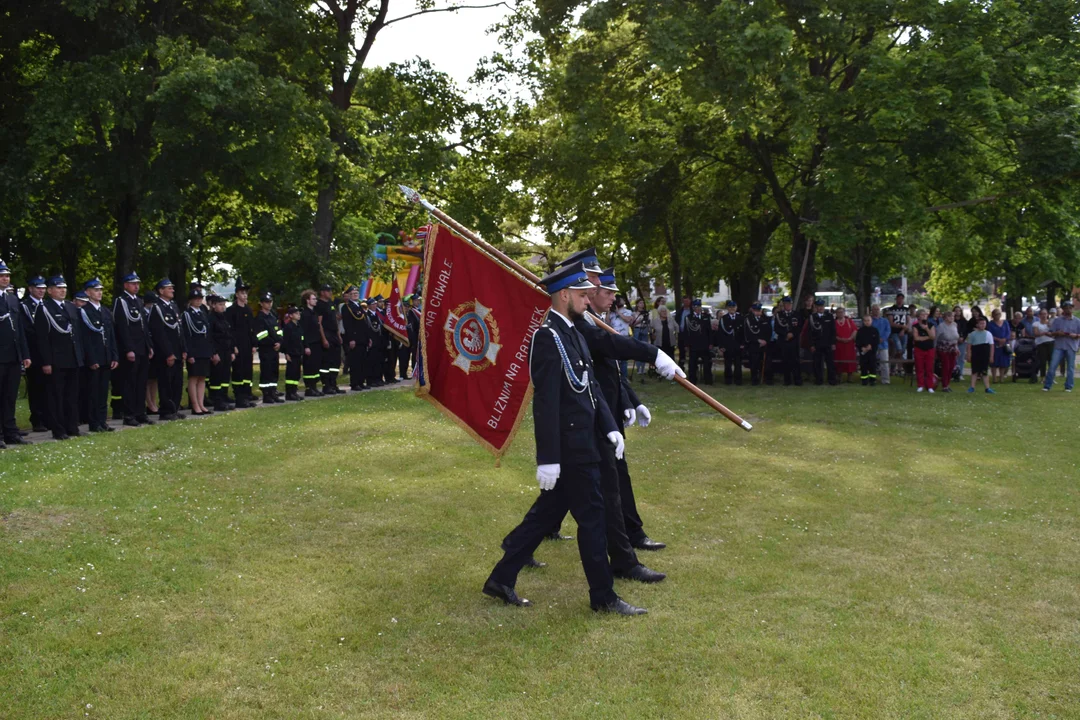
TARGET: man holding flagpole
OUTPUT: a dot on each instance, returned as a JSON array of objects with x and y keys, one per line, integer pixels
[{"x": 571, "y": 419}]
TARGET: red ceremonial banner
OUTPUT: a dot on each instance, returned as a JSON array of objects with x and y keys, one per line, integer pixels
[
  {"x": 478, "y": 321},
  {"x": 393, "y": 318}
]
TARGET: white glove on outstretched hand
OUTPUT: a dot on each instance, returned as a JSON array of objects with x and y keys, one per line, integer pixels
[
  {"x": 620, "y": 444},
  {"x": 667, "y": 367},
  {"x": 547, "y": 475},
  {"x": 644, "y": 417},
  {"x": 629, "y": 415}
]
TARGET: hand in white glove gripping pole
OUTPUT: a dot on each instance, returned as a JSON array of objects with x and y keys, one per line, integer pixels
[
  {"x": 667, "y": 367},
  {"x": 617, "y": 440},
  {"x": 547, "y": 475},
  {"x": 644, "y": 417},
  {"x": 630, "y": 416}
]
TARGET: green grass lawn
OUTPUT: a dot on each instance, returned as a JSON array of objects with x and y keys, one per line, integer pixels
[{"x": 864, "y": 553}]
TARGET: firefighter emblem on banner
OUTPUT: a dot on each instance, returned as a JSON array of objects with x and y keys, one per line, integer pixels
[{"x": 472, "y": 337}]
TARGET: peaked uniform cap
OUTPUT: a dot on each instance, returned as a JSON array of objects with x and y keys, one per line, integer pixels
[
  {"x": 571, "y": 277},
  {"x": 586, "y": 257},
  {"x": 607, "y": 279}
]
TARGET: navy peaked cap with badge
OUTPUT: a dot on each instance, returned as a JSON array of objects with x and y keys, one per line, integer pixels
[
  {"x": 586, "y": 257},
  {"x": 786, "y": 298},
  {"x": 571, "y": 277},
  {"x": 696, "y": 303},
  {"x": 820, "y": 302},
  {"x": 266, "y": 296},
  {"x": 81, "y": 295},
  {"x": 132, "y": 278},
  {"x": 4, "y": 269},
  {"x": 756, "y": 306},
  {"x": 36, "y": 282},
  {"x": 92, "y": 284},
  {"x": 163, "y": 283},
  {"x": 607, "y": 279},
  {"x": 731, "y": 303},
  {"x": 57, "y": 281}
]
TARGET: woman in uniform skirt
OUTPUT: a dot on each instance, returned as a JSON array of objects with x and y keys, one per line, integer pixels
[{"x": 199, "y": 349}]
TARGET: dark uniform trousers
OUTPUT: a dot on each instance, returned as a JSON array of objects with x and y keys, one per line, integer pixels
[
  {"x": 577, "y": 491},
  {"x": 96, "y": 384},
  {"x": 732, "y": 365},
  {"x": 170, "y": 383},
  {"x": 700, "y": 355},
  {"x": 358, "y": 364},
  {"x": 37, "y": 396},
  {"x": 789, "y": 351},
  {"x": 292, "y": 372},
  {"x": 242, "y": 372},
  {"x": 403, "y": 355},
  {"x": 312, "y": 365},
  {"x": 10, "y": 374},
  {"x": 64, "y": 400},
  {"x": 269, "y": 370},
  {"x": 331, "y": 364},
  {"x": 374, "y": 367},
  {"x": 756, "y": 354},
  {"x": 131, "y": 379},
  {"x": 218, "y": 383},
  {"x": 823, "y": 355}
]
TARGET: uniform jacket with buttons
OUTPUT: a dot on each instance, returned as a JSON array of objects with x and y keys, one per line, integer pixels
[
  {"x": 57, "y": 335},
  {"x": 568, "y": 423}
]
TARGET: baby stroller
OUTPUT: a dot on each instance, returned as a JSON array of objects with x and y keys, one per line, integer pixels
[{"x": 1023, "y": 358}]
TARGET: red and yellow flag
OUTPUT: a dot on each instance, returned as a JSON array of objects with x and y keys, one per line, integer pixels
[
  {"x": 394, "y": 318},
  {"x": 478, "y": 321}
]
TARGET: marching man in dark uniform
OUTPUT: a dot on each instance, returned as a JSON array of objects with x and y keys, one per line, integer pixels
[
  {"x": 36, "y": 394},
  {"x": 697, "y": 327},
  {"x": 133, "y": 345},
  {"x": 331, "y": 341},
  {"x": 570, "y": 418},
  {"x": 729, "y": 332},
  {"x": 100, "y": 355},
  {"x": 822, "y": 333},
  {"x": 168, "y": 340},
  {"x": 607, "y": 349},
  {"x": 354, "y": 320},
  {"x": 787, "y": 327},
  {"x": 243, "y": 369},
  {"x": 294, "y": 352},
  {"x": 14, "y": 358},
  {"x": 61, "y": 357},
  {"x": 756, "y": 333},
  {"x": 221, "y": 360},
  {"x": 311, "y": 329},
  {"x": 389, "y": 343},
  {"x": 269, "y": 342}
]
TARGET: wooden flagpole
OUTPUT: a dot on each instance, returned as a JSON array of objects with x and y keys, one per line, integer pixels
[{"x": 414, "y": 196}]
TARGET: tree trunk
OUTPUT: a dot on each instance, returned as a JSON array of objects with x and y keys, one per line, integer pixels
[
  {"x": 324, "y": 217},
  {"x": 803, "y": 250},
  {"x": 69, "y": 264},
  {"x": 128, "y": 223},
  {"x": 676, "y": 264}
]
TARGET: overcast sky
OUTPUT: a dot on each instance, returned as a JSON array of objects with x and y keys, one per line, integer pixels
[{"x": 453, "y": 42}]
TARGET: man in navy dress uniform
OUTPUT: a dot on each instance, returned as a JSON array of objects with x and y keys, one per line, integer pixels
[
  {"x": 61, "y": 358},
  {"x": 133, "y": 345},
  {"x": 99, "y": 353},
  {"x": 571, "y": 419},
  {"x": 14, "y": 358}
]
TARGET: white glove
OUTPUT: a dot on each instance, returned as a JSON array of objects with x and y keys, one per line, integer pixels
[
  {"x": 644, "y": 416},
  {"x": 630, "y": 416},
  {"x": 620, "y": 445},
  {"x": 546, "y": 475},
  {"x": 667, "y": 367}
]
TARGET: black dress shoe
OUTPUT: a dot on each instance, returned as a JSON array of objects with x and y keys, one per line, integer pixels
[
  {"x": 506, "y": 594},
  {"x": 3, "y": 445},
  {"x": 75, "y": 433},
  {"x": 131, "y": 422},
  {"x": 143, "y": 420},
  {"x": 24, "y": 433},
  {"x": 17, "y": 440},
  {"x": 647, "y": 543},
  {"x": 619, "y": 607},
  {"x": 641, "y": 574},
  {"x": 534, "y": 563},
  {"x": 558, "y": 536},
  {"x": 40, "y": 428},
  {"x": 61, "y": 436}
]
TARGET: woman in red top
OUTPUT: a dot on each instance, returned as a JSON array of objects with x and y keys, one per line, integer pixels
[{"x": 845, "y": 344}]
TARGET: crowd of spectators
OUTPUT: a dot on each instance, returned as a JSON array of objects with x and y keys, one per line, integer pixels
[{"x": 932, "y": 347}]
